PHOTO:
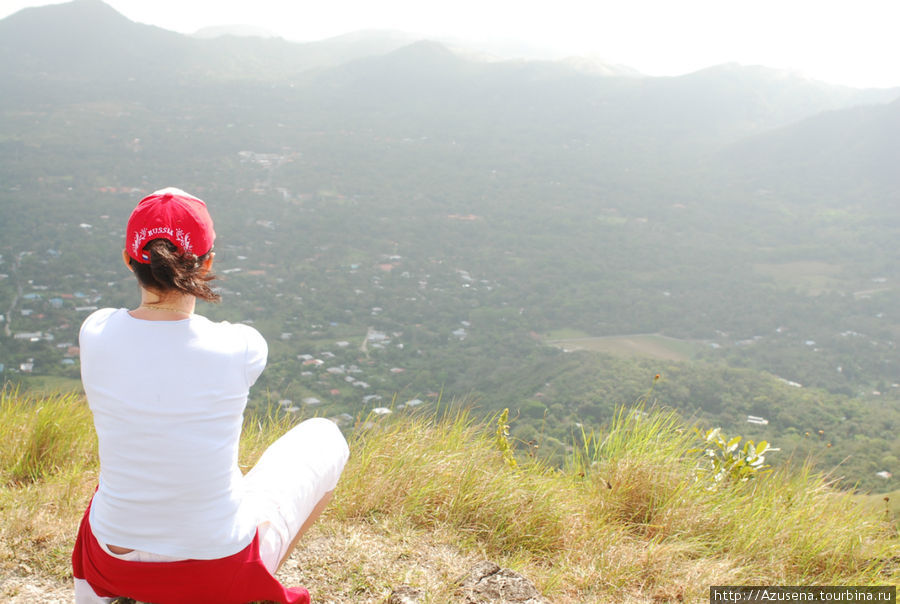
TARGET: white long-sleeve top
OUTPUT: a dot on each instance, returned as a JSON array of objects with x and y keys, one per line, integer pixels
[{"x": 168, "y": 399}]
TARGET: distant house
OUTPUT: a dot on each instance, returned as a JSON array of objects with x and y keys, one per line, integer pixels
[
  {"x": 31, "y": 336},
  {"x": 343, "y": 418}
]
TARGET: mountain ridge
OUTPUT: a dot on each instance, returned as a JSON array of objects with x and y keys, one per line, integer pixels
[
  {"x": 85, "y": 51},
  {"x": 88, "y": 21},
  {"x": 841, "y": 153}
]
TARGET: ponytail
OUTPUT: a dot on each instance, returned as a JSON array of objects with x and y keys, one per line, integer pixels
[{"x": 169, "y": 271}]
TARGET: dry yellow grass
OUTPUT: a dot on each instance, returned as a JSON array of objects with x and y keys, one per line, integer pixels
[{"x": 424, "y": 497}]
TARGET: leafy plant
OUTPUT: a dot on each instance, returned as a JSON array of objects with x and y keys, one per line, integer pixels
[
  {"x": 502, "y": 439},
  {"x": 725, "y": 460}
]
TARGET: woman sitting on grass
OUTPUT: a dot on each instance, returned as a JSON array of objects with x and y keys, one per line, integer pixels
[{"x": 173, "y": 519}]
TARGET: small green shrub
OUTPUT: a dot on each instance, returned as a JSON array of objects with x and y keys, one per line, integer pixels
[{"x": 726, "y": 461}]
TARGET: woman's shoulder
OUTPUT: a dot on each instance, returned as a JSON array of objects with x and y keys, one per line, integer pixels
[
  {"x": 238, "y": 330},
  {"x": 100, "y": 317},
  {"x": 242, "y": 339}
]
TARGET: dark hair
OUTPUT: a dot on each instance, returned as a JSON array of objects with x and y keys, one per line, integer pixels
[{"x": 168, "y": 270}]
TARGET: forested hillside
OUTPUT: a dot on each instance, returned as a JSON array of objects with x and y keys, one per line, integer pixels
[{"x": 412, "y": 225}]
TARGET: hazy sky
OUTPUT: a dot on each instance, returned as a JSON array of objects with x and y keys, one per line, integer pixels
[{"x": 852, "y": 42}]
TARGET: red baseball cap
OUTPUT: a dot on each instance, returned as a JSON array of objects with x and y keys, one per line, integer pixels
[{"x": 173, "y": 215}]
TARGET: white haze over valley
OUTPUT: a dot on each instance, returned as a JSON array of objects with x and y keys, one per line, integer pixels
[{"x": 850, "y": 43}]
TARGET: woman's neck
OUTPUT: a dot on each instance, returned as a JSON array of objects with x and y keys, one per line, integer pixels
[{"x": 164, "y": 307}]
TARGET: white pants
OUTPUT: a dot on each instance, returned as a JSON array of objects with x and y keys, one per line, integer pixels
[{"x": 287, "y": 482}]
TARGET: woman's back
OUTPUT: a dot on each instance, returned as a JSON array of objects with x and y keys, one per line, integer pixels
[{"x": 168, "y": 399}]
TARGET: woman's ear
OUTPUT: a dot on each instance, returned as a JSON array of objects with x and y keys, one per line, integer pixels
[
  {"x": 207, "y": 264},
  {"x": 127, "y": 259}
]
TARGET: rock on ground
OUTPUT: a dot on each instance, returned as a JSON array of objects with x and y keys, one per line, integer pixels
[
  {"x": 488, "y": 583},
  {"x": 406, "y": 594}
]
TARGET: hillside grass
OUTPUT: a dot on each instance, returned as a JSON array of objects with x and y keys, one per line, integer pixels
[
  {"x": 629, "y": 519},
  {"x": 45, "y": 385},
  {"x": 886, "y": 504}
]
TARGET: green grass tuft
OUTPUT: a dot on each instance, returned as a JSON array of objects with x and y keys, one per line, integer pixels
[{"x": 43, "y": 436}]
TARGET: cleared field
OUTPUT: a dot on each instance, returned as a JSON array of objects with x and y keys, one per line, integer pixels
[
  {"x": 651, "y": 346},
  {"x": 809, "y": 276}
]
